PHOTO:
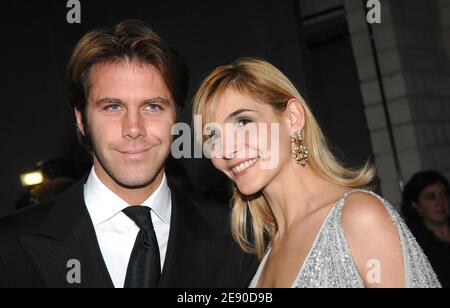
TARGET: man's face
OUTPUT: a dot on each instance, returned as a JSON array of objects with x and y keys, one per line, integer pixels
[{"x": 130, "y": 113}]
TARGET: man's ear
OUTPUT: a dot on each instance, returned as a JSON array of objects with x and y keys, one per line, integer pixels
[
  {"x": 295, "y": 115},
  {"x": 79, "y": 117}
]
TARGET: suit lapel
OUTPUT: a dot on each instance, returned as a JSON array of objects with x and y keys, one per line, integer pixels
[
  {"x": 66, "y": 245},
  {"x": 194, "y": 253},
  {"x": 194, "y": 250}
]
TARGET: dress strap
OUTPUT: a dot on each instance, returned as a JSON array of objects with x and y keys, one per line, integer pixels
[{"x": 363, "y": 191}]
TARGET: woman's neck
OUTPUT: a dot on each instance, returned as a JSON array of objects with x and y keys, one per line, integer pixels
[
  {"x": 298, "y": 191},
  {"x": 441, "y": 231}
]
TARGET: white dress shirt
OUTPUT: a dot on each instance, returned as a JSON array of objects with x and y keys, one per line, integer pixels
[{"x": 116, "y": 232}]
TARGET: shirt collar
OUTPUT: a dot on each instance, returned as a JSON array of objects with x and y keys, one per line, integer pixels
[{"x": 103, "y": 204}]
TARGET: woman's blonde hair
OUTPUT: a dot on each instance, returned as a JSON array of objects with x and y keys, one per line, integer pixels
[{"x": 265, "y": 83}]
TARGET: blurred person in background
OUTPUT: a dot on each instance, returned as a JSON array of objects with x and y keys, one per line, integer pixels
[
  {"x": 58, "y": 175},
  {"x": 50, "y": 189},
  {"x": 425, "y": 207}
]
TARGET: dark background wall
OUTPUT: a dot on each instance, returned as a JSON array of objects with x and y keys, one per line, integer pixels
[{"x": 36, "y": 123}]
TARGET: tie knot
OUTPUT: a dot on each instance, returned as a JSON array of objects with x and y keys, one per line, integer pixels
[{"x": 141, "y": 216}]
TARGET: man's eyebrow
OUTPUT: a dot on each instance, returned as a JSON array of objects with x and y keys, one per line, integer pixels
[
  {"x": 238, "y": 112},
  {"x": 106, "y": 100},
  {"x": 157, "y": 100}
]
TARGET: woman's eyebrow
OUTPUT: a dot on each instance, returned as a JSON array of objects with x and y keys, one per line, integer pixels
[{"x": 238, "y": 112}]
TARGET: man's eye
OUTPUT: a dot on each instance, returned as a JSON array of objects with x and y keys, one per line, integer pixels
[
  {"x": 112, "y": 107},
  {"x": 153, "y": 107}
]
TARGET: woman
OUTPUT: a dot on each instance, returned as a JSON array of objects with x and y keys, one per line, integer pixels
[
  {"x": 426, "y": 211},
  {"x": 300, "y": 228}
]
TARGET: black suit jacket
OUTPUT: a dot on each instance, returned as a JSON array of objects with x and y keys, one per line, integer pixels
[{"x": 37, "y": 243}]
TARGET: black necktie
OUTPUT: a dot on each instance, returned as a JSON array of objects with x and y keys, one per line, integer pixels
[{"x": 144, "y": 267}]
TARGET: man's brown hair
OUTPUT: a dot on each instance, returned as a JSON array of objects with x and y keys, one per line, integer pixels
[{"x": 132, "y": 40}]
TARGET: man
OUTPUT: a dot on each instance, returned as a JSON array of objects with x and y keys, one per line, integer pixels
[{"x": 122, "y": 226}]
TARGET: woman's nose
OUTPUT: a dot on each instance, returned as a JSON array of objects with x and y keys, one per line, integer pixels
[
  {"x": 229, "y": 152},
  {"x": 444, "y": 200}
]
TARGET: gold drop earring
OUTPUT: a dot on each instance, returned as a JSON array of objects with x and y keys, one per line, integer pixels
[{"x": 299, "y": 153}]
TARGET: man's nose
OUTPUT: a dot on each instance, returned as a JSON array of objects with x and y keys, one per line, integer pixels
[{"x": 133, "y": 125}]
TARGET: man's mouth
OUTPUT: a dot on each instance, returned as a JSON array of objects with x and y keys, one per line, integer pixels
[{"x": 135, "y": 153}]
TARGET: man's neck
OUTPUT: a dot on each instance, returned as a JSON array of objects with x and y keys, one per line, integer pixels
[{"x": 132, "y": 196}]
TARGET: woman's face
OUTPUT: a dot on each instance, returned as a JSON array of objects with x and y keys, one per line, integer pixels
[
  {"x": 433, "y": 204},
  {"x": 251, "y": 142}
]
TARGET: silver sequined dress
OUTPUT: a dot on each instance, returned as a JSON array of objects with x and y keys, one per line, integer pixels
[{"x": 330, "y": 263}]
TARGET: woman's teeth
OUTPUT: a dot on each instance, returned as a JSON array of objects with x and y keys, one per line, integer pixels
[{"x": 244, "y": 165}]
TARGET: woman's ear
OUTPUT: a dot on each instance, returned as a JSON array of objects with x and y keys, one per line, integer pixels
[{"x": 295, "y": 115}]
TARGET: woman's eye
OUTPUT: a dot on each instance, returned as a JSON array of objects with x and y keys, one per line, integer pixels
[
  {"x": 244, "y": 121},
  {"x": 430, "y": 197}
]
